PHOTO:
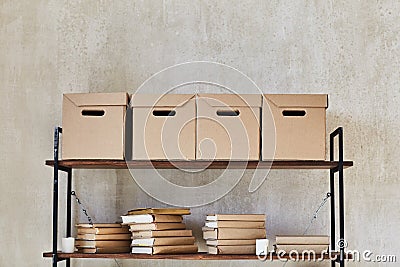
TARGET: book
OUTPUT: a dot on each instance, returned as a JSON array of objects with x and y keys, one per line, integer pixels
[
  {"x": 236, "y": 217},
  {"x": 102, "y": 243},
  {"x": 230, "y": 242},
  {"x": 104, "y": 237},
  {"x": 235, "y": 224},
  {"x": 103, "y": 231},
  {"x": 234, "y": 233},
  {"x": 99, "y": 225},
  {"x": 165, "y": 249},
  {"x": 205, "y": 228},
  {"x": 249, "y": 249},
  {"x": 162, "y": 241},
  {"x": 163, "y": 233},
  {"x": 149, "y": 218},
  {"x": 166, "y": 211},
  {"x": 317, "y": 249},
  {"x": 302, "y": 239},
  {"x": 105, "y": 250},
  {"x": 156, "y": 226}
]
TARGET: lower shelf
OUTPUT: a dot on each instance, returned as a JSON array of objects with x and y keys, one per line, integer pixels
[{"x": 197, "y": 256}]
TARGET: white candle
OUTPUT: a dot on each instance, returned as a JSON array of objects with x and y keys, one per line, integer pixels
[
  {"x": 262, "y": 246},
  {"x": 68, "y": 245}
]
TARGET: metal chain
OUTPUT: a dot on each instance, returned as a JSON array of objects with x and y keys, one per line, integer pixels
[
  {"x": 82, "y": 208},
  {"x": 328, "y": 195},
  {"x": 87, "y": 216}
]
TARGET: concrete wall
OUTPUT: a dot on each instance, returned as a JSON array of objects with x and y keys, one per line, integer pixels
[{"x": 349, "y": 50}]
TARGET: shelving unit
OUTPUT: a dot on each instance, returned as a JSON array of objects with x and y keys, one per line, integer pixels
[{"x": 334, "y": 166}]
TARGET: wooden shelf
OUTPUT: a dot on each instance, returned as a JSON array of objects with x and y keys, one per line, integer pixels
[
  {"x": 197, "y": 256},
  {"x": 140, "y": 164}
]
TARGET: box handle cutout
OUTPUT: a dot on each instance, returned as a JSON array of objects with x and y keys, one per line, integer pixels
[
  {"x": 93, "y": 113},
  {"x": 164, "y": 113},
  {"x": 228, "y": 113},
  {"x": 294, "y": 113}
]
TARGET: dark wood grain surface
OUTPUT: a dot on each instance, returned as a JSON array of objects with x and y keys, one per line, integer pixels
[
  {"x": 197, "y": 256},
  {"x": 139, "y": 164}
]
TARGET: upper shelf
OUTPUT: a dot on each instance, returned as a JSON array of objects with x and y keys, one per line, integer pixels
[{"x": 141, "y": 164}]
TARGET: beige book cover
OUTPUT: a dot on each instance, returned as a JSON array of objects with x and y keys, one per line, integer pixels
[
  {"x": 302, "y": 239},
  {"x": 149, "y": 218},
  {"x": 165, "y": 211},
  {"x": 165, "y": 249},
  {"x": 103, "y": 231},
  {"x": 234, "y": 233},
  {"x": 162, "y": 233},
  {"x": 105, "y": 250},
  {"x": 301, "y": 248},
  {"x": 235, "y": 224},
  {"x": 102, "y": 243},
  {"x": 230, "y": 242},
  {"x": 163, "y": 241},
  {"x": 156, "y": 226},
  {"x": 99, "y": 225},
  {"x": 236, "y": 217},
  {"x": 104, "y": 237},
  {"x": 249, "y": 249}
]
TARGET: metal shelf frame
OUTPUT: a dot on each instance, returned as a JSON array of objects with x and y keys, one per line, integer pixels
[{"x": 335, "y": 167}]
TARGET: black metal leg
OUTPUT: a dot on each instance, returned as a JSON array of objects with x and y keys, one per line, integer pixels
[
  {"x": 333, "y": 219},
  {"x": 338, "y": 132},
  {"x": 57, "y": 168},
  {"x": 57, "y": 132},
  {"x": 332, "y": 189},
  {"x": 69, "y": 217},
  {"x": 341, "y": 211},
  {"x": 341, "y": 198}
]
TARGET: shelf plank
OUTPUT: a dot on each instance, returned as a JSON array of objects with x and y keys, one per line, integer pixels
[
  {"x": 141, "y": 164},
  {"x": 196, "y": 256}
]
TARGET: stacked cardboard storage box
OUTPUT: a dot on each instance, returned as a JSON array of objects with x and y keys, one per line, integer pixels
[
  {"x": 228, "y": 127},
  {"x": 163, "y": 126},
  {"x": 94, "y": 125},
  {"x": 293, "y": 126},
  {"x": 194, "y": 126}
]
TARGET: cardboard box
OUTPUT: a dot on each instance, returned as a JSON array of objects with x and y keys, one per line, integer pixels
[
  {"x": 163, "y": 126},
  {"x": 299, "y": 123},
  {"x": 228, "y": 127},
  {"x": 93, "y": 125}
]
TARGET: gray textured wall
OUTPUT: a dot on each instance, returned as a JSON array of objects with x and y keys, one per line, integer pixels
[{"x": 349, "y": 50}]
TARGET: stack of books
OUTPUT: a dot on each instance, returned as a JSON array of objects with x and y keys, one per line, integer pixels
[
  {"x": 102, "y": 238},
  {"x": 301, "y": 243},
  {"x": 159, "y": 231},
  {"x": 233, "y": 233}
]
